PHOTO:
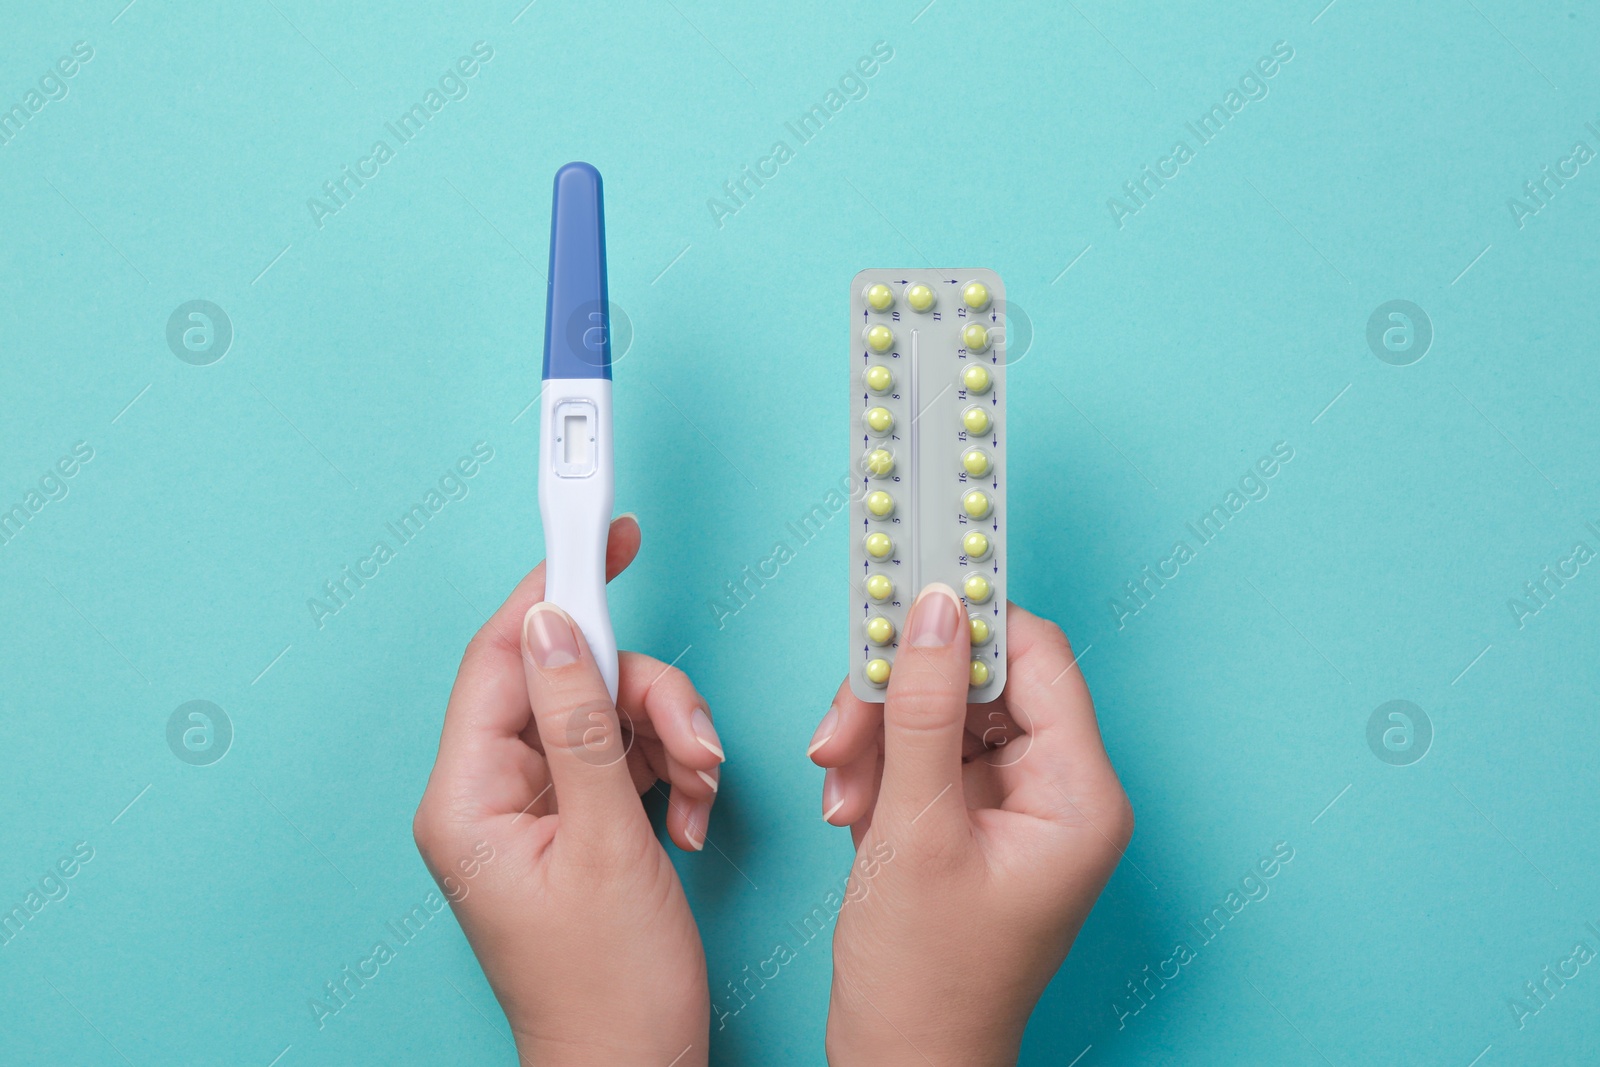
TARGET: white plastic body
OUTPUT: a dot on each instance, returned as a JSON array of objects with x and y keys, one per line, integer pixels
[{"x": 576, "y": 493}]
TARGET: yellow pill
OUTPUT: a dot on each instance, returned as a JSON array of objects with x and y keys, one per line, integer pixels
[
  {"x": 878, "y": 671},
  {"x": 978, "y": 628},
  {"x": 976, "y": 377},
  {"x": 976, "y": 420},
  {"x": 879, "y": 587},
  {"x": 880, "y": 422},
  {"x": 880, "y": 338},
  {"x": 976, "y": 504},
  {"x": 975, "y": 544},
  {"x": 976, "y": 295},
  {"x": 920, "y": 297},
  {"x": 880, "y": 296},
  {"x": 879, "y": 378},
  {"x": 977, "y": 589},
  {"x": 879, "y": 545},
  {"x": 979, "y": 674},
  {"x": 880, "y": 631},
  {"x": 880, "y": 503},
  {"x": 976, "y": 460},
  {"x": 880, "y": 463},
  {"x": 975, "y": 336}
]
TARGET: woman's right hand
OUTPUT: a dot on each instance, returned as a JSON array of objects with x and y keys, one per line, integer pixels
[{"x": 985, "y": 834}]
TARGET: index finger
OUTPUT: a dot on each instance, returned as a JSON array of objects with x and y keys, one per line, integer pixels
[
  {"x": 1049, "y": 699},
  {"x": 504, "y": 628}
]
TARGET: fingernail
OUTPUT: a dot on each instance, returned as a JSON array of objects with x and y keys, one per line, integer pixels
[
  {"x": 825, "y": 731},
  {"x": 708, "y": 779},
  {"x": 694, "y": 827},
  {"x": 705, "y": 733},
  {"x": 548, "y": 636},
  {"x": 629, "y": 515},
  {"x": 832, "y": 794},
  {"x": 934, "y": 617}
]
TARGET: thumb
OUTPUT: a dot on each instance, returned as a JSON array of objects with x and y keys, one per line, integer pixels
[
  {"x": 925, "y": 716},
  {"x": 583, "y": 741}
]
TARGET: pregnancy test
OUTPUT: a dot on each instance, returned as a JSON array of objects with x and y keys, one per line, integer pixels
[{"x": 576, "y": 486}]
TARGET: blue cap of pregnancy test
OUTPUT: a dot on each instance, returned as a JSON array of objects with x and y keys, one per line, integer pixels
[{"x": 577, "y": 331}]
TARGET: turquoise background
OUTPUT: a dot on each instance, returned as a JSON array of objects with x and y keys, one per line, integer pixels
[{"x": 1228, "y": 314}]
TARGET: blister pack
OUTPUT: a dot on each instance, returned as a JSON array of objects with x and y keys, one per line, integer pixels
[{"x": 928, "y": 446}]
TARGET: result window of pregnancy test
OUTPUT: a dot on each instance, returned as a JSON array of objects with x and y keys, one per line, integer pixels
[
  {"x": 574, "y": 427},
  {"x": 575, "y": 440}
]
